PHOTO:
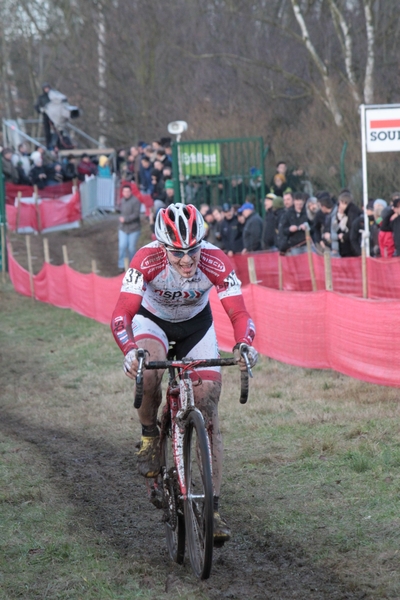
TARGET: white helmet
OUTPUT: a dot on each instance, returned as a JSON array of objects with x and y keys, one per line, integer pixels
[{"x": 179, "y": 226}]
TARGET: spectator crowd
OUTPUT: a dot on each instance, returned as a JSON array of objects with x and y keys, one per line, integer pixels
[
  {"x": 45, "y": 168},
  {"x": 290, "y": 209}
]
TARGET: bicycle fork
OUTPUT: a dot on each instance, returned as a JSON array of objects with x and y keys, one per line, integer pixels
[{"x": 178, "y": 418}]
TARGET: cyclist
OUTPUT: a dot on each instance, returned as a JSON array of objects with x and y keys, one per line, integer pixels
[{"x": 164, "y": 300}]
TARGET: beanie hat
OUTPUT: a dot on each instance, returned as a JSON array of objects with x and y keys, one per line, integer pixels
[
  {"x": 169, "y": 184},
  {"x": 278, "y": 203}
]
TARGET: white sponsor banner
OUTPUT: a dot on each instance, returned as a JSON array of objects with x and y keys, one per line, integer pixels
[{"x": 382, "y": 129}]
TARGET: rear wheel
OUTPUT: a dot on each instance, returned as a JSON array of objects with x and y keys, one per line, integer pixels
[
  {"x": 199, "y": 515},
  {"x": 172, "y": 505}
]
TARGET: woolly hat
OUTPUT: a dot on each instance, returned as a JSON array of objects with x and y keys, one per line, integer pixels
[
  {"x": 169, "y": 184},
  {"x": 254, "y": 172},
  {"x": 370, "y": 205},
  {"x": 380, "y": 202},
  {"x": 278, "y": 203}
]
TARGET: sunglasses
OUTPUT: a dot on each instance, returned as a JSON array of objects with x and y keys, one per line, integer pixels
[{"x": 181, "y": 253}]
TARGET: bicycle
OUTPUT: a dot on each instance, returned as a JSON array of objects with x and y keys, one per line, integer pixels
[{"x": 184, "y": 488}]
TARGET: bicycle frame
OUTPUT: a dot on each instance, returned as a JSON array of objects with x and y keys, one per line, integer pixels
[
  {"x": 184, "y": 488},
  {"x": 179, "y": 401}
]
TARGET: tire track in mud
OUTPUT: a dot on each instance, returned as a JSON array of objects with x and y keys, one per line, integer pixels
[{"x": 101, "y": 481}]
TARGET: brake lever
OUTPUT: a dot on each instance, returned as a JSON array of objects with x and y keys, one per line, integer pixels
[
  {"x": 248, "y": 367},
  {"x": 244, "y": 353},
  {"x": 141, "y": 355}
]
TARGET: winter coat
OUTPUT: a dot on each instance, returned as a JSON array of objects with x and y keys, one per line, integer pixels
[
  {"x": 292, "y": 239},
  {"x": 130, "y": 210},
  {"x": 252, "y": 232},
  {"x": 343, "y": 226},
  {"x": 269, "y": 229},
  {"x": 394, "y": 227},
  {"x": 231, "y": 235}
]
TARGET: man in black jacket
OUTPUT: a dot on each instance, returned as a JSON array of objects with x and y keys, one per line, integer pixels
[
  {"x": 293, "y": 226},
  {"x": 231, "y": 231},
  {"x": 252, "y": 230},
  {"x": 346, "y": 214},
  {"x": 358, "y": 227},
  {"x": 270, "y": 223}
]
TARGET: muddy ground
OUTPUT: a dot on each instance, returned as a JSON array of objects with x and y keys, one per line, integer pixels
[{"x": 97, "y": 478}]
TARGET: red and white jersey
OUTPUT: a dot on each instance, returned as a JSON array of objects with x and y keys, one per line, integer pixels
[{"x": 151, "y": 281}]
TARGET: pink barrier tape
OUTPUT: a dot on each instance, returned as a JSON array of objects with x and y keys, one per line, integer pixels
[{"x": 320, "y": 330}]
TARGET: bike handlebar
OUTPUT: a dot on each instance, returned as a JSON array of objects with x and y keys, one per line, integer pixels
[{"x": 195, "y": 363}]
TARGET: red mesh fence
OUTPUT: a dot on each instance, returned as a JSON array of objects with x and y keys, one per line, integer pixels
[
  {"x": 383, "y": 274},
  {"x": 324, "y": 330},
  {"x": 52, "y": 191},
  {"x": 46, "y": 214}
]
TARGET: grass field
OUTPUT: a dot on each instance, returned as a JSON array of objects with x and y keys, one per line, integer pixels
[{"x": 311, "y": 480}]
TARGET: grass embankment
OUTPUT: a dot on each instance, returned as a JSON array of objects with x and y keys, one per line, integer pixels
[{"x": 312, "y": 465}]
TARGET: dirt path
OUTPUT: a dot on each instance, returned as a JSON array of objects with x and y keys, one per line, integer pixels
[{"x": 100, "y": 479}]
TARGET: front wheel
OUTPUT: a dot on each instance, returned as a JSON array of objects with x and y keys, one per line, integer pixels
[
  {"x": 199, "y": 514},
  {"x": 173, "y": 506}
]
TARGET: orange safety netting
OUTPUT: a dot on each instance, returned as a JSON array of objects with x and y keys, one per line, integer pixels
[{"x": 324, "y": 330}]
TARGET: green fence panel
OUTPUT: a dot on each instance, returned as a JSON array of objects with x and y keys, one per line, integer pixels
[{"x": 222, "y": 170}]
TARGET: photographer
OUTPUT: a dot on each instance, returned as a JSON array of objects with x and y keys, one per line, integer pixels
[{"x": 42, "y": 101}]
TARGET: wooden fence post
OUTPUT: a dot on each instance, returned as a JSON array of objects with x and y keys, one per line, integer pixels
[
  {"x": 46, "y": 250},
  {"x": 310, "y": 260},
  {"x": 18, "y": 212},
  {"x": 364, "y": 242},
  {"x": 94, "y": 266},
  {"x": 252, "y": 270},
  {"x": 37, "y": 208},
  {"x": 65, "y": 255},
  {"x": 30, "y": 269},
  {"x": 328, "y": 270}
]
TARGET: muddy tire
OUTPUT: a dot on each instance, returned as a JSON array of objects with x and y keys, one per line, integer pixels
[
  {"x": 199, "y": 515},
  {"x": 173, "y": 507}
]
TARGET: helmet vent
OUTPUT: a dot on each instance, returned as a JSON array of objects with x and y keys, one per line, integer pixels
[
  {"x": 171, "y": 233},
  {"x": 171, "y": 215},
  {"x": 182, "y": 227}
]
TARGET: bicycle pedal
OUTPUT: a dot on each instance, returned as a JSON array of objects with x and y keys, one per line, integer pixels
[
  {"x": 154, "y": 493},
  {"x": 156, "y": 498}
]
